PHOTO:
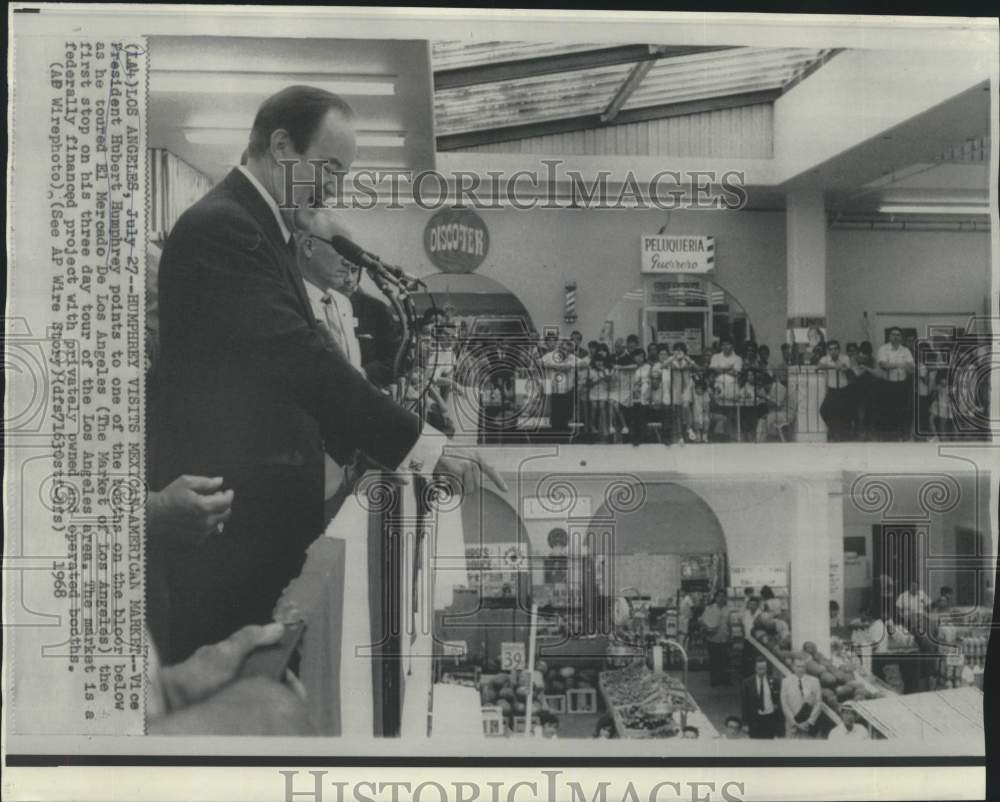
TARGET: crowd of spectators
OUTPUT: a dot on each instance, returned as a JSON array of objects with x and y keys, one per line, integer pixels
[{"x": 619, "y": 392}]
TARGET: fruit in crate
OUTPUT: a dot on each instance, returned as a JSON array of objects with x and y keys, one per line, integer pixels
[
  {"x": 489, "y": 695},
  {"x": 519, "y": 708},
  {"x": 827, "y": 680},
  {"x": 521, "y": 692},
  {"x": 844, "y": 692},
  {"x": 500, "y": 680},
  {"x": 830, "y": 698},
  {"x": 813, "y": 668},
  {"x": 810, "y": 648}
]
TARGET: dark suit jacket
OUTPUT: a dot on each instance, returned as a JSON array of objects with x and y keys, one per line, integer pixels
[
  {"x": 378, "y": 337},
  {"x": 749, "y": 697},
  {"x": 248, "y": 384}
]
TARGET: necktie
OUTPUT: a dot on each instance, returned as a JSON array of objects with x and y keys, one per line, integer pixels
[
  {"x": 760, "y": 684},
  {"x": 802, "y": 691},
  {"x": 333, "y": 324}
]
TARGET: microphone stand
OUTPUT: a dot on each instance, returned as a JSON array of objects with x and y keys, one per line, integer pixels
[{"x": 389, "y": 549}]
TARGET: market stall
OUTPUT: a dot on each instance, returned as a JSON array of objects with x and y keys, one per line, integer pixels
[{"x": 651, "y": 704}]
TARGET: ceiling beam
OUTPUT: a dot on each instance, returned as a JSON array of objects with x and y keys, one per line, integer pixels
[
  {"x": 546, "y": 65},
  {"x": 811, "y": 68},
  {"x": 624, "y": 92},
  {"x": 508, "y": 133}
]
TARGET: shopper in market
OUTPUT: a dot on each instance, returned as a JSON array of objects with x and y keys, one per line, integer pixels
[
  {"x": 715, "y": 622},
  {"x": 734, "y": 728},
  {"x": 748, "y": 622},
  {"x": 895, "y": 388},
  {"x": 800, "y": 701},
  {"x": 605, "y": 727},
  {"x": 849, "y": 729},
  {"x": 911, "y": 604},
  {"x": 942, "y": 604},
  {"x": 837, "y": 407},
  {"x": 759, "y": 695}
]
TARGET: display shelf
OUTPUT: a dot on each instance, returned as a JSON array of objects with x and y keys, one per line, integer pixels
[
  {"x": 670, "y": 690},
  {"x": 955, "y": 712}
]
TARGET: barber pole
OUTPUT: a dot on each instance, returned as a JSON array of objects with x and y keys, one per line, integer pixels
[{"x": 569, "y": 311}]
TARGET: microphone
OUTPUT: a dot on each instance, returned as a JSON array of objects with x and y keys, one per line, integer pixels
[{"x": 369, "y": 261}]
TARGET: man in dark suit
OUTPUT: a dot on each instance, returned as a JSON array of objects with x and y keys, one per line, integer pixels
[
  {"x": 378, "y": 335},
  {"x": 250, "y": 390},
  {"x": 760, "y": 695}
]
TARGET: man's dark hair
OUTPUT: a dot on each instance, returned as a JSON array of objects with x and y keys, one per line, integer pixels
[
  {"x": 632, "y": 338},
  {"x": 946, "y": 591},
  {"x": 831, "y": 343},
  {"x": 299, "y": 110},
  {"x": 679, "y": 346}
]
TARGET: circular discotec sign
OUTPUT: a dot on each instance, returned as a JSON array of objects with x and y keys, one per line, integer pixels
[{"x": 456, "y": 240}]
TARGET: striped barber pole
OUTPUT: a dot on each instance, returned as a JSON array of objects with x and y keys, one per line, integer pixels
[{"x": 569, "y": 307}]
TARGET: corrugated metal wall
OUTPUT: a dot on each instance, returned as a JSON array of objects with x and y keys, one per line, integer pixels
[{"x": 742, "y": 132}]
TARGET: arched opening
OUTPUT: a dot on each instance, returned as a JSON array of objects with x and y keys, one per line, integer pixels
[
  {"x": 670, "y": 544},
  {"x": 484, "y": 341},
  {"x": 689, "y": 309},
  {"x": 476, "y": 304}
]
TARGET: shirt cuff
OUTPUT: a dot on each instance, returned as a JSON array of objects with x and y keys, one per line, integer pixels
[{"x": 426, "y": 452}]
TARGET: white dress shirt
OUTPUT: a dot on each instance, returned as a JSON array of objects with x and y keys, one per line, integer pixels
[
  {"x": 796, "y": 691},
  {"x": 334, "y": 310},
  {"x": 836, "y": 371},
  {"x": 898, "y": 359}
]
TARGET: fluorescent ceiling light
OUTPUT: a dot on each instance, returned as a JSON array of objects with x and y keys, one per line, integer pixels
[
  {"x": 914, "y": 208},
  {"x": 249, "y": 83},
  {"x": 239, "y": 136}
]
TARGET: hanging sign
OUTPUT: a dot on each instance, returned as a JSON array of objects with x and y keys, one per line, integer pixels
[
  {"x": 677, "y": 254},
  {"x": 456, "y": 240}
]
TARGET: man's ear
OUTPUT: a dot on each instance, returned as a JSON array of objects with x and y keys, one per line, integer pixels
[
  {"x": 305, "y": 244},
  {"x": 280, "y": 144}
]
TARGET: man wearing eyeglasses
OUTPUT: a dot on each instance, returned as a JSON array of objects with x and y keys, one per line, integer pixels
[
  {"x": 251, "y": 390},
  {"x": 330, "y": 281}
]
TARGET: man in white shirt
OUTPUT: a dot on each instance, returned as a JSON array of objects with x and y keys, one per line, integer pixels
[
  {"x": 800, "y": 700},
  {"x": 726, "y": 367},
  {"x": 560, "y": 366},
  {"x": 895, "y": 390},
  {"x": 330, "y": 281},
  {"x": 837, "y": 407},
  {"x": 912, "y": 603},
  {"x": 849, "y": 730}
]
